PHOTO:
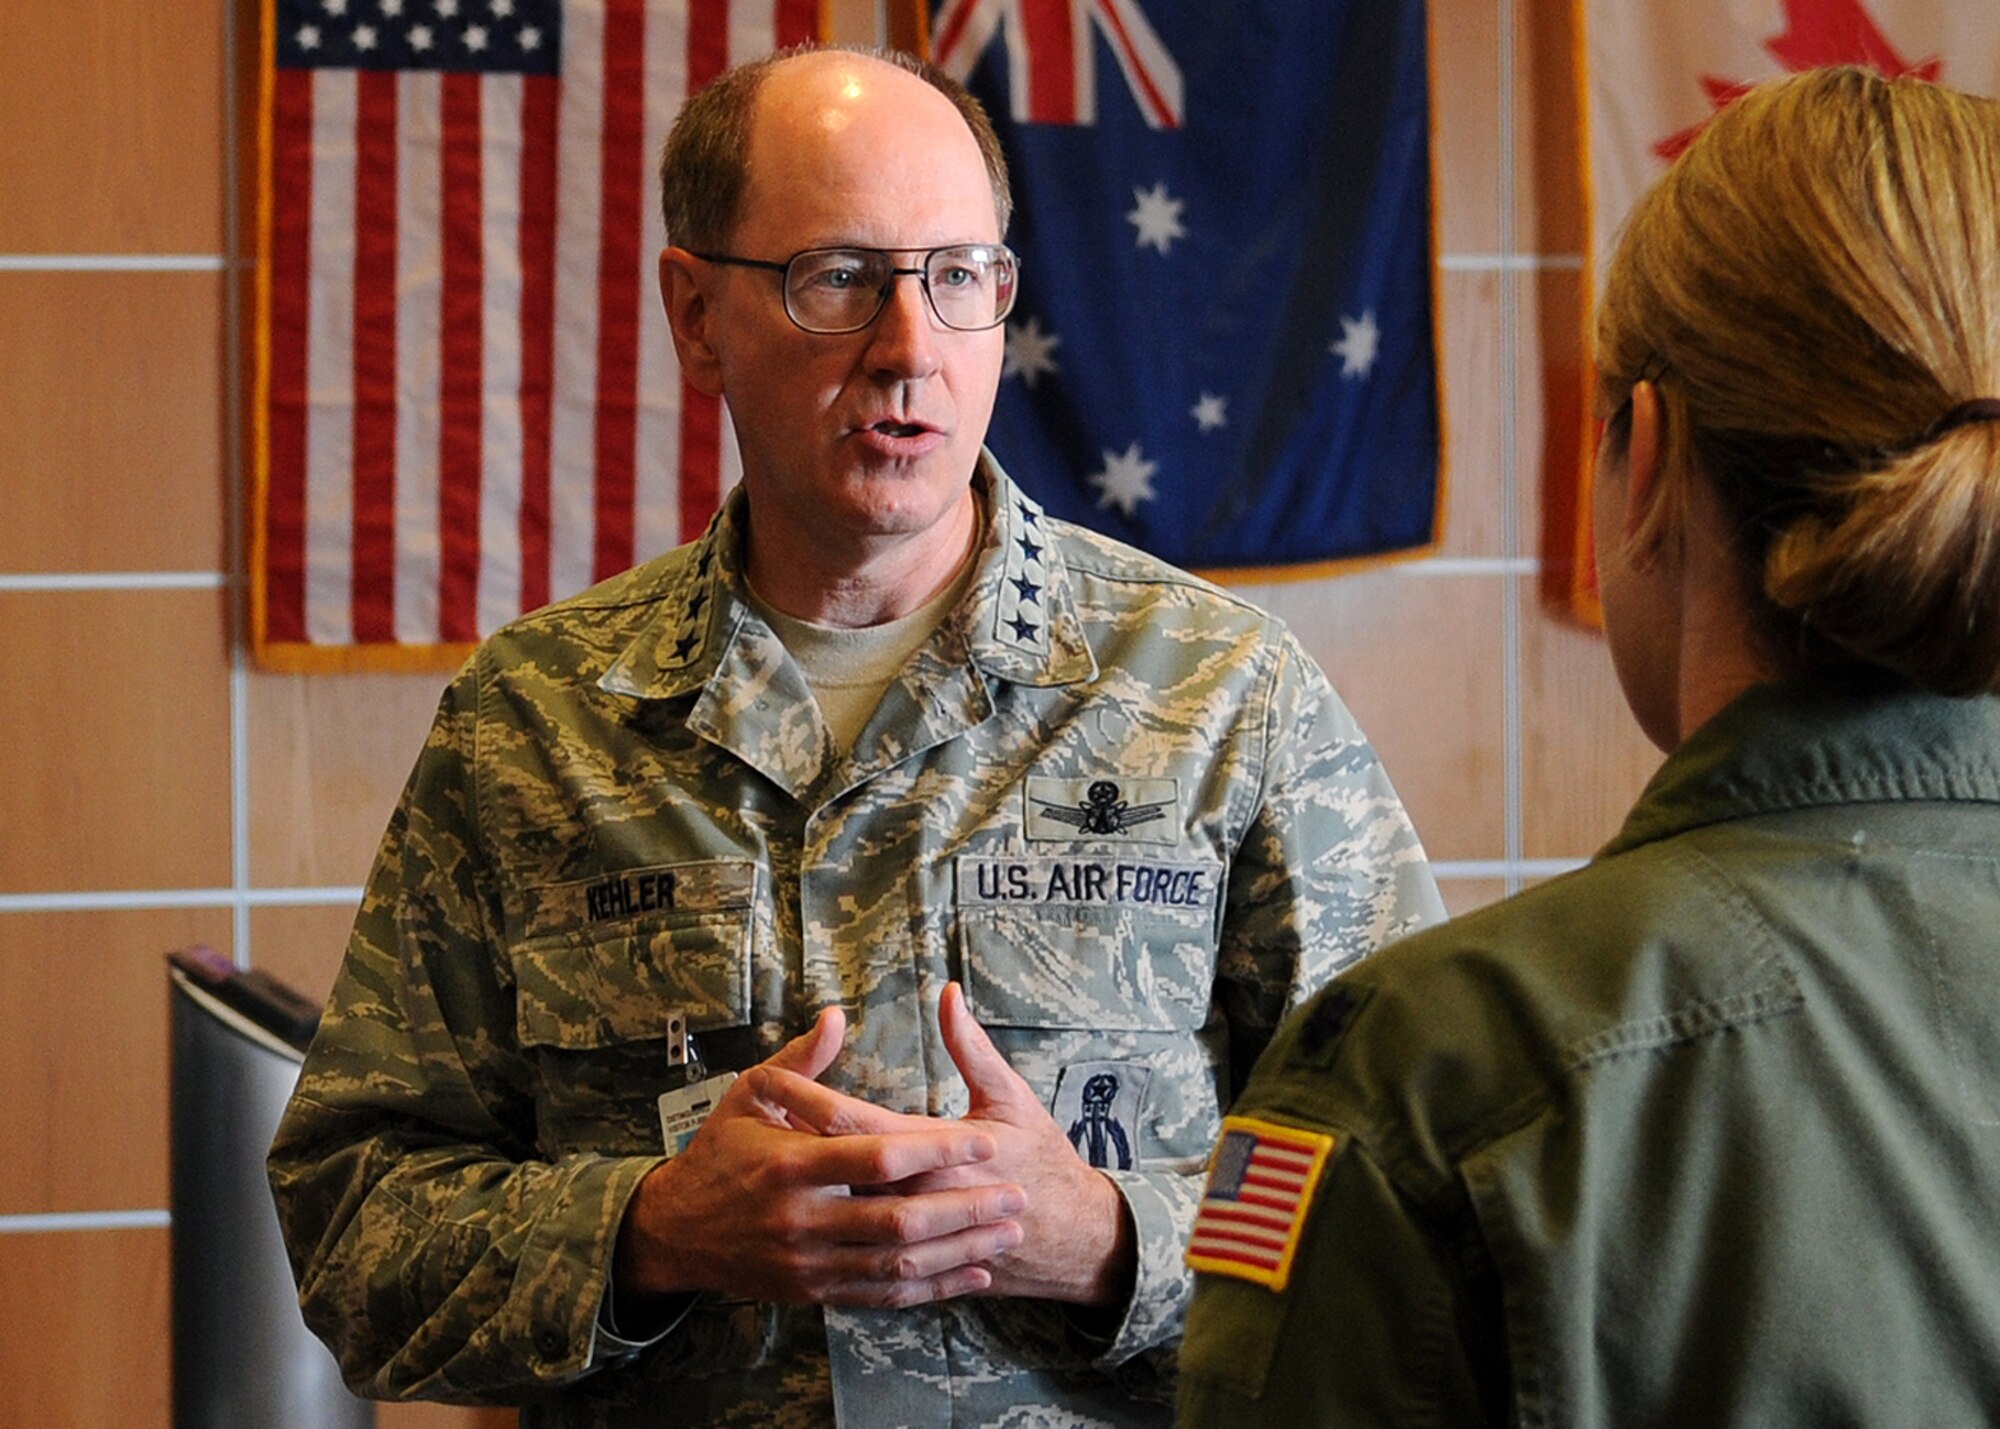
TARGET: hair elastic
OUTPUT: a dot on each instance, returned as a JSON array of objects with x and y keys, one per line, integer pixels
[{"x": 1979, "y": 409}]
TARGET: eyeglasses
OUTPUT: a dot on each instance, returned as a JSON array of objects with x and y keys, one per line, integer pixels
[{"x": 970, "y": 286}]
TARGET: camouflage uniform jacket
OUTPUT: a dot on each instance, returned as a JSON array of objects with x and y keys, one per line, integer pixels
[{"x": 1123, "y": 807}]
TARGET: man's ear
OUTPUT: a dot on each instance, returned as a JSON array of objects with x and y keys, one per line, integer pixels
[
  {"x": 1642, "y": 456},
  {"x": 685, "y": 295}
]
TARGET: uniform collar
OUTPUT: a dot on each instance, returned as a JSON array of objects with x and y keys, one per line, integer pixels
[
  {"x": 1813, "y": 742},
  {"x": 1022, "y": 622},
  {"x": 697, "y": 602},
  {"x": 1018, "y": 616}
]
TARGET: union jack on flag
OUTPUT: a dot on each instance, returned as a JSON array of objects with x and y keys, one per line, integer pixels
[
  {"x": 1260, "y": 1186},
  {"x": 1052, "y": 76},
  {"x": 1223, "y": 351}
]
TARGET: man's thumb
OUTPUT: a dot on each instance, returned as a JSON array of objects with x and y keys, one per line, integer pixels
[
  {"x": 987, "y": 1075},
  {"x": 813, "y": 1051}
]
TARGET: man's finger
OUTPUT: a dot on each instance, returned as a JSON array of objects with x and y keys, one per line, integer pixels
[
  {"x": 867, "y": 1161},
  {"x": 812, "y": 1107},
  {"x": 987, "y": 1075},
  {"x": 895, "y": 1223},
  {"x": 925, "y": 1260},
  {"x": 902, "y": 1294},
  {"x": 813, "y": 1051}
]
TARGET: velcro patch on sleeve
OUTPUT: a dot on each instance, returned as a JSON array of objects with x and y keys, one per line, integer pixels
[{"x": 1261, "y": 1182}]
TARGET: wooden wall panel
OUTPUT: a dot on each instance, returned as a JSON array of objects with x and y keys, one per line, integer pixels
[
  {"x": 302, "y": 946},
  {"x": 328, "y": 757},
  {"x": 1469, "y": 364},
  {"x": 443, "y": 1416},
  {"x": 86, "y": 1341},
  {"x": 1465, "y": 89},
  {"x": 112, "y": 112},
  {"x": 83, "y": 999},
  {"x": 856, "y": 22},
  {"x": 1583, "y": 760},
  {"x": 114, "y": 707},
  {"x": 1462, "y": 895},
  {"x": 111, "y": 421}
]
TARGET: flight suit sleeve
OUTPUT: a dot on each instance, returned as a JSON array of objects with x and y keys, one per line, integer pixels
[
  {"x": 1387, "y": 1317},
  {"x": 1328, "y": 870},
  {"x": 437, "y": 1252}
]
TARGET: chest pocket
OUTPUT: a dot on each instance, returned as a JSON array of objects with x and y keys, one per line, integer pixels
[
  {"x": 1129, "y": 961},
  {"x": 595, "y": 1004}
]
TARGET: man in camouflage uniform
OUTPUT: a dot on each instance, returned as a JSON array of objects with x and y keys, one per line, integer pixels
[{"x": 1097, "y": 826}]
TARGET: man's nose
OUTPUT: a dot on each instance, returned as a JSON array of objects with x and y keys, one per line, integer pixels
[{"x": 902, "y": 341}]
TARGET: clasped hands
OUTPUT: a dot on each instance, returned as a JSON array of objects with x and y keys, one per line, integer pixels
[{"x": 797, "y": 1193}]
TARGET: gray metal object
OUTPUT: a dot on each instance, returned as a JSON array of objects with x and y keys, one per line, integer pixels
[{"x": 243, "y": 1357}]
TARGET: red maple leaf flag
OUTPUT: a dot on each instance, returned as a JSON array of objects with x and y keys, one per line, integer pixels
[{"x": 1653, "y": 75}]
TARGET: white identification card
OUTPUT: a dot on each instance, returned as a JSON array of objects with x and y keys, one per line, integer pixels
[{"x": 683, "y": 1110}]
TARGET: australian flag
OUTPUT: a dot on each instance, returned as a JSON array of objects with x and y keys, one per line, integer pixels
[{"x": 1223, "y": 348}]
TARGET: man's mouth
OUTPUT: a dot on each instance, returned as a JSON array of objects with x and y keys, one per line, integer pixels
[{"x": 890, "y": 428}]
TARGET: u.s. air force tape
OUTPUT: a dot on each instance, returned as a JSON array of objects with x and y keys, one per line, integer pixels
[{"x": 1091, "y": 881}]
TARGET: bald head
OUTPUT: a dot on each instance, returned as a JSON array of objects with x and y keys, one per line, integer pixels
[{"x": 706, "y": 166}]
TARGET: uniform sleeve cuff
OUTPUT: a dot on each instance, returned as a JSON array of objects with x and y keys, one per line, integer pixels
[
  {"x": 612, "y": 1343},
  {"x": 1161, "y": 1204},
  {"x": 566, "y": 1268}
]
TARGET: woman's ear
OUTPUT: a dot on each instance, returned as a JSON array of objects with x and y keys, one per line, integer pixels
[
  {"x": 1642, "y": 456},
  {"x": 684, "y": 294}
]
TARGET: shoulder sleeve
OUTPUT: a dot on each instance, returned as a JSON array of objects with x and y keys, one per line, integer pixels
[
  {"x": 1388, "y": 1317},
  {"x": 437, "y": 1253},
  {"x": 1328, "y": 870}
]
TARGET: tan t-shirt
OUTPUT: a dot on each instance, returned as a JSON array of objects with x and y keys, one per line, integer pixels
[{"x": 848, "y": 669}]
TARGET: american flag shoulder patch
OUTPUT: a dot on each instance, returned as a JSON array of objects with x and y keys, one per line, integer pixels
[{"x": 1261, "y": 1181}]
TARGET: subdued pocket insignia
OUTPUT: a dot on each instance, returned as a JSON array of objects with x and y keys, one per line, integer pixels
[
  {"x": 1098, "y": 1104},
  {"x": 1261, "y": 1182}
]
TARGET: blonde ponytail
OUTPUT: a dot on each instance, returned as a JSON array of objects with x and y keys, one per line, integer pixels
[{"x": 1816, "y": 284}]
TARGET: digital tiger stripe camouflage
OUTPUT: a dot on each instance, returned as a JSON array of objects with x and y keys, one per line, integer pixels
[{"x": 1120, "y": 805}]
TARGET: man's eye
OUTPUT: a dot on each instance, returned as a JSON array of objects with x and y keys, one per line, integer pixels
[
  {"x": 833, "y": 277},
  {"x": 837, "y": 280},
  {"x": 956, "y": 276}
]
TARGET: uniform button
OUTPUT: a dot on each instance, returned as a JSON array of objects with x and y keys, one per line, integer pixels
[{"x": 551, "y": 1343}]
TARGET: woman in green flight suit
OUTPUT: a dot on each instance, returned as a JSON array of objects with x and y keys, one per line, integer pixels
[{"x": 1708, "y": 1132}]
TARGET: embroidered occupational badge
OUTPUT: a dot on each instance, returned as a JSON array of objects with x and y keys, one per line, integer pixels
[
  {"x": 1098, "y": 1104},
  {"x": 1261, "y": 1182},
  {"x": 1142, "y": 810}
]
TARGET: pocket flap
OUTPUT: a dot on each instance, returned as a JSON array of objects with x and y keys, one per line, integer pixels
[{"x": 626, "y": 983}]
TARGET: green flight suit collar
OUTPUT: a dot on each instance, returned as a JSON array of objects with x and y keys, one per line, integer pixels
[{"x": 1812, "y": 742}]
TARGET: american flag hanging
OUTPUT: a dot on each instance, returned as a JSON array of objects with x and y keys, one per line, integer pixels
[
  {"x": 1260, "y": 1185},
  {"x": 1224, "y": 349},
  {"x": 467, "y": 399}
]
